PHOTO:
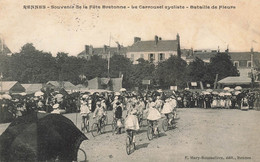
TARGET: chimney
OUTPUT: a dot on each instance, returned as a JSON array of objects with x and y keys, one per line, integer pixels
[
  {"x": 87, "y": 49},
  {"x": 137, "y": 39},
  {"x": 105, "y": 49},
  {"x": 90, "y": 50},
  {"x": 178, "y": 45},
  {"x": 156, "y": 39}
]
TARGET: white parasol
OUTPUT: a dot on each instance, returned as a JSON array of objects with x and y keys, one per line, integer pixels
[
  {"x": 228, "y": 94},
  {"x": 226, "y": 88},
  {"x": 209, "y": 90},
  {"x": 238, "y": 88},
  {"x": 231, "y": 90},
  {"x": 122, "y": 89},
  {"x": 38, "y": 93},
  {"x": 85, "y": 96},
  {"x": 215, "y": 92},
  {"x": 58, "y": 95},
  {"x": 6, "y": 96},
  {"x": 237, "y": 92},
  {"x": 23, "y": 94}
]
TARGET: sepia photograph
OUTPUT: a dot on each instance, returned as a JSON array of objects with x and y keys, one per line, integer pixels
[{"x": 129, "y": 80}]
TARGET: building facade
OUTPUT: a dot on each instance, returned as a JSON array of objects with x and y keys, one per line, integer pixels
[
  {"x": 153, "y": 50},
  {"x": 103, "y": 52},
  {"x": 246, "y": 62}
]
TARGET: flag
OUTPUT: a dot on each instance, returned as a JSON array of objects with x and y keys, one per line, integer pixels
[{"x": 108, "y": 60}]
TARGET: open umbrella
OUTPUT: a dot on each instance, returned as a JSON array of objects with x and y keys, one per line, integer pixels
[
  {"x": 209, "y": 90},
  {"x": 23, "y": 94},
  {"x": 206, "y": 93},
  {"x": 238, "y": 88},
  {"x": 85, "y": 96},
  {"x": 222, "y": 94},
  {"x": 58, "y": 95},
  {"x": 237, "y": 92},
  {"x": 226, "y": 88},
  {"x": 40, "y": 137},
  {"x": 38, "y": 93},
  {"x": 215, "y": 92},
  {"x": 6, "y": 96},
  {"x": 122, "y": 89},
  {"x": 227, "y": 94},
  {"x": 231, "y": 90}
]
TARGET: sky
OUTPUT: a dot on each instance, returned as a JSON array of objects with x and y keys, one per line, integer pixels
[{"x": 68, "y": 30}]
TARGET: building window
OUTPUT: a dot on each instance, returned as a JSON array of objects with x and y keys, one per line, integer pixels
[
  {"x": 151, "y": 57},
  {"x": 236, "y": 64},
  {"x": 132, "y": 57},
  {"x": 161, "y": 57},
  {"x": 141, "y": 55},
  {"x": 249, "y": 64}
]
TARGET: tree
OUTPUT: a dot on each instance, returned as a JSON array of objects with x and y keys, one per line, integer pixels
[
  {"x": 196, "y": 70},
  {"x": 144, "y": 70},
  {"x": 32, "y": 66},
  {"x": 120, "y": 65},
  {"x": 171, "y": 72},
  {"x": 222, "y": 65},
  {"x": 95, "y": 67}
]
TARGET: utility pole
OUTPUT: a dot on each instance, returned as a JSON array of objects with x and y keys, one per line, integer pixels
[
  {"x": 108, "y": 60},
  {"x": 252, "y": 68}
]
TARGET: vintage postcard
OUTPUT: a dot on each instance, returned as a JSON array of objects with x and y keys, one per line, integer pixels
[{"x": 134, "y": 80}]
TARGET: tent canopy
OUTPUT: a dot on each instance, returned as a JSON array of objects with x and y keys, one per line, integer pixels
[{"x": 235, "y": 81}]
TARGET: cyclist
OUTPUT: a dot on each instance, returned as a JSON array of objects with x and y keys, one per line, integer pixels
[
  {"x": 99, "y": 113},
  {"x": 131, "y": 121},
  {"x": 118, "y": 112},
  {"x": 167, "y": 110},
  {"x": 84, "y": 112},
  {"x": 173, "y": 103},
  {"x": 153, "y": 116},
  {"x": 140, "y": 108}
]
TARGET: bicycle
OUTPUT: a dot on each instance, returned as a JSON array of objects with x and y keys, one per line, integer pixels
[
  {"x": 166, "y": 125},
  {"x": 130, "y": 145},
  {"x": 150, "y": 130},
  {"x": 114, "y": 124},
  {"x": 140, "y": 119},
  {"x": 81, "y": 156},
  {"x": 96, "y": 129},
  {"x": 85, "y": 126}
]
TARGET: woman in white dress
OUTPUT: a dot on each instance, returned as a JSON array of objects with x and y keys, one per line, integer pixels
[
  {"x": 131, "y": 121},
  {"x": 153, "y": 116}
]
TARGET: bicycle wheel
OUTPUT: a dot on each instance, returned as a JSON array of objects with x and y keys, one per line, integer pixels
[
  {"x": 128, "y": 145},
  {"x": 94, "y": 129},
  {"x": 87, "y": 126},
  {"x": 165, "y": 125},
  {"x": 106, "y": 120},
  {"x": 82, "y": 156},
  {"x": 103, "y": 127},
  {"x": 150, "y": 132},
  {"x": 113, "y": 126}
]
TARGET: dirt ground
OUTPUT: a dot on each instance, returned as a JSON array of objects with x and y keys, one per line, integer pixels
[{"x": 201, "y": 135}]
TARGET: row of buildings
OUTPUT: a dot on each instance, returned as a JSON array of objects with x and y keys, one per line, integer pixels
[{"x": 158, "y": 50}]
